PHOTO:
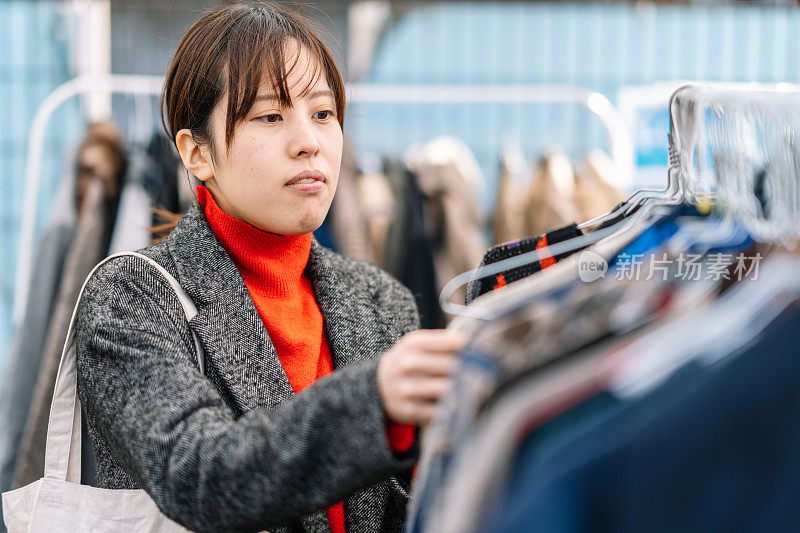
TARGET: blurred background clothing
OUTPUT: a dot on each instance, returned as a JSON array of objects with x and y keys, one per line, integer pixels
[
  {"x": 631, "y": 52},
  {"x": 430, "y": 187}
]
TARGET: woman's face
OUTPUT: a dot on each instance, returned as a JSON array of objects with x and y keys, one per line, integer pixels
[{"x": 282, "y": 167}]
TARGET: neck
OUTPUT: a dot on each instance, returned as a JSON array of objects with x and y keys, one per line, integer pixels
[{"x": 272, "y": 261}]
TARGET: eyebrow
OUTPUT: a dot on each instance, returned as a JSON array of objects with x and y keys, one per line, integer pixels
[{"x": 271, "y": 97}]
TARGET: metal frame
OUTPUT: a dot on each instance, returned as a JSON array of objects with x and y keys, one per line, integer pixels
[{"x": 621, "y": 142}]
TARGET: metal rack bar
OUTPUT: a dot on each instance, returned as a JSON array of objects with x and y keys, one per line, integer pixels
[{"x": 621, "y": 143}]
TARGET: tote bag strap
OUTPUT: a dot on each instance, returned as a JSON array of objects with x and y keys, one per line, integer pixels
[{"x": 62, "y": 456}]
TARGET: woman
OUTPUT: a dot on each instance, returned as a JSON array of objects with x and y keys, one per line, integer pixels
[{"x": 314, "y": 378}]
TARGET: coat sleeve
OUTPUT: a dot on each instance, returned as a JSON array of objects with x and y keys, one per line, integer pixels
[
  {"x": 172, "y": 432},
  {"x": 397, "y": 300}
]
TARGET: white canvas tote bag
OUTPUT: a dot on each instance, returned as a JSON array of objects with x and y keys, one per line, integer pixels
[{"x": 58, "y": 502}]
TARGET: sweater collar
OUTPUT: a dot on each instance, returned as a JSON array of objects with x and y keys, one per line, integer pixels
[
  {"x": 240, "y": 357},
  {"x": 276, "y": 262},
  {"x": 227, "y": 318}
]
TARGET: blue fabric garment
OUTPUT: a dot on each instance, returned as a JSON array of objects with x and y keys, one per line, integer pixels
[
  {"x": 651, "y": 239},
  {"x": 721, "y": 238},
  {"x": 659, "y": 232},
  {"x": 712, "y": 449},
  {"x": 477, "y": 372},
  {"x": 324, "y": 236}
]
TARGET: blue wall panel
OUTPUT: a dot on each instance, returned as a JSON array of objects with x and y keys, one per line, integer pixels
[
  {"x": 602, "y": 47},
  {"x": 34, "y": 57}
]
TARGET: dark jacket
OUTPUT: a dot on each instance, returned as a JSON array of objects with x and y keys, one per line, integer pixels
[{"x": 236, "y": 449}]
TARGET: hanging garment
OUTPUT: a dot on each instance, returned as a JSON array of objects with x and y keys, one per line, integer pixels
[
  {"x": 87, "y": 248},
  {"x": 548, "y": 359},
  {"x": 508, "y": 213},
  {"x": 592, "y": 190},
  {"x": 167, "y": 174},
  {"x": 551, "y": 198},
  {"x": 451, "y": 187},
  {"x": 480, "y": 286},
  {"x": 621, "y": 215},
  {"x": 25, "y": 351},
  {"x": 571, "y": 317},
  {"x": 134, "y": 214},
  {"x": 712, "y": 449},
  {"x": 348, "y": 225},
  {"x": 595, "y": 193},
  {"x": 542, "y": 330},
  {"x": 377, "y": 204},
  {"x": 405, "y": 191},
  {"x": 24, "y": 357},
  {"x": 543, "y": 346},
  {"x": 562, "y": 273},
  {"x": 498, "y": 437},
  {"x": 409, "y": 250},
  {"x": 507, "y": 250}
]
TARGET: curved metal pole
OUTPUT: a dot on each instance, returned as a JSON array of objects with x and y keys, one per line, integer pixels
[
  {"x": 74, "y": 87},
  {"x": 620, "y": 139},
  {"x": 621, "y": 142}
]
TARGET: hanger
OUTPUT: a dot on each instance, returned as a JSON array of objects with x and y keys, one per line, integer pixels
[
  {"x": 682, "y": 186},
  {"x": 753, "y": 135},
  {"x": 751, "y": 306},
  {"x": 682, "y": 133},
  {"x": 679, "y": 131}
]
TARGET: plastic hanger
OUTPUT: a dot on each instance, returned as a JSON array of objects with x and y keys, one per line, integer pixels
[
  {"x": 676, "y": 141},
  {"x": 682, "y": 132},
  {"x": 673, "y": 194}
]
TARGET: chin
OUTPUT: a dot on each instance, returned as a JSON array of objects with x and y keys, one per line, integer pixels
[{"x": 307, "y": 224}]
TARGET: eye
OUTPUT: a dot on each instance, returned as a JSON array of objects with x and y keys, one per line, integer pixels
[
  {"x": 272, "y": 118},
  {"x": 324, "y": 114}
]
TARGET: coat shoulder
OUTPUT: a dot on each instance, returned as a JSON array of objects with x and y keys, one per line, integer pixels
[{"x": 117, "y": 288}]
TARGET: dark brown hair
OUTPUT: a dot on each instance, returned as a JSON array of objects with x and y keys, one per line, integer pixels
[{"x": 232, "y": 50}]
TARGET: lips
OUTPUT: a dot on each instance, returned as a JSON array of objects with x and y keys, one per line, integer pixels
[
  {"x": 306, "y": 177},
  {"x": 309, "y": 181}
]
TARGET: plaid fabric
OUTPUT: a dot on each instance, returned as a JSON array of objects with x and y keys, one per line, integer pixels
[{"x": 477, "y": 287}]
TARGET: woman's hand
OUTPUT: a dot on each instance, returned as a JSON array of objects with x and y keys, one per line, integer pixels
[{"x": 415, "y": 372}]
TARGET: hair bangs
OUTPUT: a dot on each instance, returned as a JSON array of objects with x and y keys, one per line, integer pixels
[{"x": 236, "y": 50}]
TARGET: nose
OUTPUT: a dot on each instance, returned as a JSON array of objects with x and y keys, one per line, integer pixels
[{"x": 304, "y": 142}]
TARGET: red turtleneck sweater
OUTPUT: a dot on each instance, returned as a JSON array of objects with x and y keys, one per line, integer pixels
[{"x": 273, "y": 269}]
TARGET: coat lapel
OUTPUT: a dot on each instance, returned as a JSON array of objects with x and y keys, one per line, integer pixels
[
  {"x": 340, "y": 303},
  {"x": 240, "y": 357},
  {"x": 346, "y": 306}
]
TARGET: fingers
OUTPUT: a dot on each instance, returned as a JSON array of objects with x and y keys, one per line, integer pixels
[
  {"x": 426, "y": 412},
  {"x": 437, "y": 340},
  {"x": 415, "y": 373},
  {"x": 428, "y": 364},
  {"x": 428, "y": 390},
  {"x": 417, "y": 413},
  {"x": 432, "y": 352}
]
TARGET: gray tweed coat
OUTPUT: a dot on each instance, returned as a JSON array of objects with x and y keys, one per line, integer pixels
[{"x": 235, "y": 449}]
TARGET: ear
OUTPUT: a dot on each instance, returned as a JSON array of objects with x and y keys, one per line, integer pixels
[{"x": 195, "y": 158}]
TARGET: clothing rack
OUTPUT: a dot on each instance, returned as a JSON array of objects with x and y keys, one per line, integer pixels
[
  {"x": 572, "y": 462},
  {"x": 620, "y": 140}
]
